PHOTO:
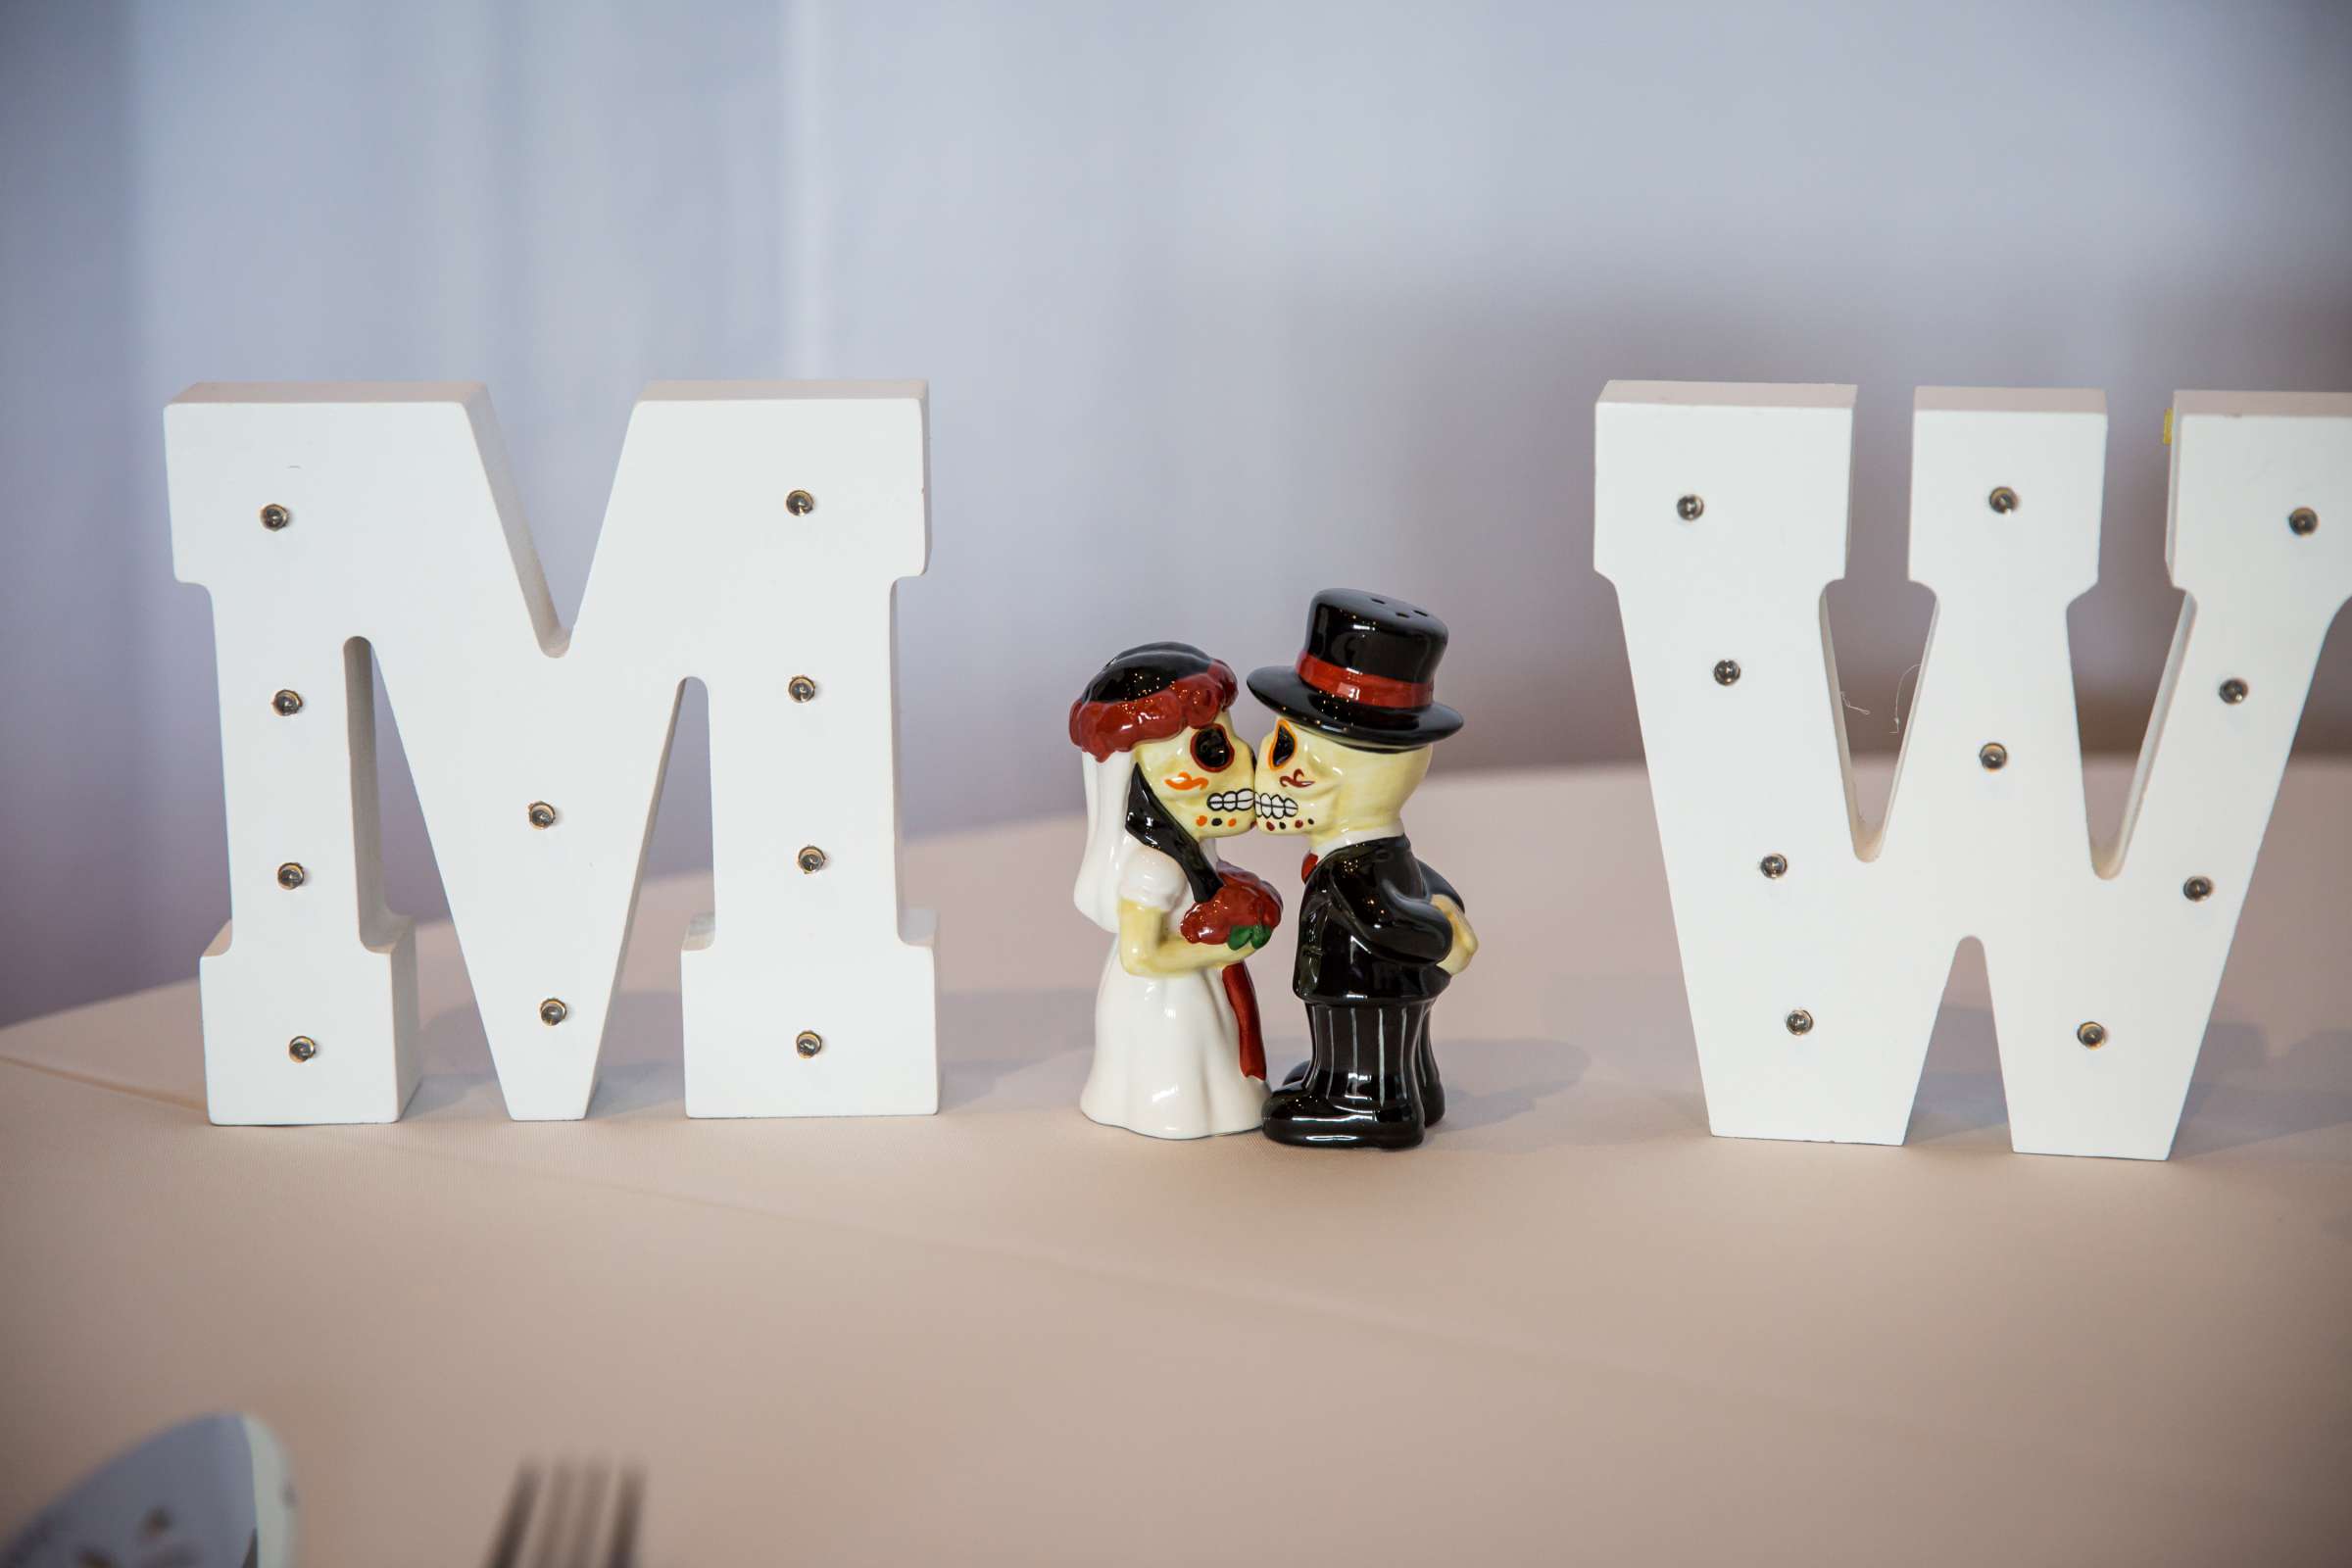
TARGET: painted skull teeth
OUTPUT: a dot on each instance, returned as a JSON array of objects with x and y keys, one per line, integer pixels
[
  {"x": 1234, "y": 803},
  {"x": 1277, "y": 806}
]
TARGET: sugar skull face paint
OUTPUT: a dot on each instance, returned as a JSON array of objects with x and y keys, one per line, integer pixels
[
  {"x": 1203, "y": 777},
  {"x": 1298, "y": 774}
]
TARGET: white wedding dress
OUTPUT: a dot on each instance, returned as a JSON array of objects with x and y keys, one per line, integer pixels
[{"x": 1168, "y": 1050}]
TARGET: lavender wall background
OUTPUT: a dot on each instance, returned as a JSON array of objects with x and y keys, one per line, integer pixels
[{"x": 1220, "y": 304}]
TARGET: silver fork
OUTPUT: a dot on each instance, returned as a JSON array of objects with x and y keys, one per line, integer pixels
[{"x": 562, "y": 1529}]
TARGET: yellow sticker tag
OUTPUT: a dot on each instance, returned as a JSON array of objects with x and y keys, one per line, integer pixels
[{"x": 2168, "y": 427}]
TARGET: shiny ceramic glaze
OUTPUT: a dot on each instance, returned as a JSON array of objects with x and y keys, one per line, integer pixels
[
  {"x": 1381, "y": 934},
  {"x": 1178, "y": 1049}
]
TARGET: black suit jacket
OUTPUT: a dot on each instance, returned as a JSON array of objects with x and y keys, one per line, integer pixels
[{"x": 1368, "y": 930}]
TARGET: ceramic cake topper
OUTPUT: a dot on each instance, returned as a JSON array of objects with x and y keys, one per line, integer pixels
[
  {"x": 1380, "y": 933},
  {"x": 1178, "y": 1053}
]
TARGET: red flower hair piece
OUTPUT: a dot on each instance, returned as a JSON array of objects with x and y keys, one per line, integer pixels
[{"x": 1102, "y": 727}]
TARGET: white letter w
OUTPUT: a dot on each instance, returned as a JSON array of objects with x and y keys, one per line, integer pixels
[{"x": 1815, "y": 952}]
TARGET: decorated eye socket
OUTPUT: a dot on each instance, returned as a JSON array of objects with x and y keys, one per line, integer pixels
[
  {"x": 1212, "y": 750},
  {"x": 1285, "y": 743}
]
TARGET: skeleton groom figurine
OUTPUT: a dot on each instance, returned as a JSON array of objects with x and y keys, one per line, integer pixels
[
  {"x": 1176, "y": 1048},
  {"x": 1380, "y": 933}
]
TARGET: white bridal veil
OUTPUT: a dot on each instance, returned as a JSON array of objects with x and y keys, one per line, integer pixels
[{"x": 1107, "y": 845}]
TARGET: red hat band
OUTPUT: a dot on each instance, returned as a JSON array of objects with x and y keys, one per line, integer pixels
[{"x": 1359, "y": 686}]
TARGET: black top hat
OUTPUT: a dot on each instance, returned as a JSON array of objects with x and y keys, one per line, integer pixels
[{"x": 1366, "y": 675}]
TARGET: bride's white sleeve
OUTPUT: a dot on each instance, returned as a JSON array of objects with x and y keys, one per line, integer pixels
[{"x": 1152, "y": 879}]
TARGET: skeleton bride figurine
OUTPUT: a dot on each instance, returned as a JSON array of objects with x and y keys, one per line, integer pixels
[{"x": 1177, "y": 1049}]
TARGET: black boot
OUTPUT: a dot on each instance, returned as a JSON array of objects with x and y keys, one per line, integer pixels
[
  {"x": 1360, "y": 1088},
  {"x": 1433, "y": 1089}
]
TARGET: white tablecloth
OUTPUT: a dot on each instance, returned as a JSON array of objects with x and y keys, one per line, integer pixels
[{"x": 1572, "y": 1326}]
